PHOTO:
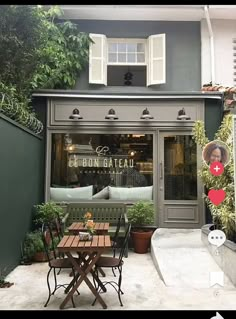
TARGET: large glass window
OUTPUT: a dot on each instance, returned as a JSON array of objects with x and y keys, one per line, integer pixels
[{"x": 121, "y": 160}]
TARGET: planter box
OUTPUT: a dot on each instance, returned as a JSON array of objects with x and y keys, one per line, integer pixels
[{"x": 227, "y": 254}]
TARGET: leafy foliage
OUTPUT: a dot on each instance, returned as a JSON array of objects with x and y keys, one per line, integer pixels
[
  {"x": 37, "y": 51},
  {"x": 16, "y": 108},
  {"x": 3, "y": 282},
  {"x": 64, "y": 53},
  {"x": 47, "y": 212},
  {"x": 224, "y": 214},
  {"x": 20, "y": 40},
  {"x": 141, "y": 213}
]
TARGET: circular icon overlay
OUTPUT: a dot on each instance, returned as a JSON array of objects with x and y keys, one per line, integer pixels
[
  {"x": 216, "y": 168},
  {"x": 216, "y": 151},
  {"x": 216, "y": 237}
]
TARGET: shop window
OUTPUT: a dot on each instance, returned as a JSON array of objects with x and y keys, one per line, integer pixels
[{"x": 92, "y": 162}]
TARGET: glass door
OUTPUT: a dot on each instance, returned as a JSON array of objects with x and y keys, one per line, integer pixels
[{"x": 178, "y": 181}]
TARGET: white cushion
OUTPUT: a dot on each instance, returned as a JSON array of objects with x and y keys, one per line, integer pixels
[
  {"x": 103, "y": 194},
  {"x": 132, "y": 193},
  {"x": 71, "y": 194}
]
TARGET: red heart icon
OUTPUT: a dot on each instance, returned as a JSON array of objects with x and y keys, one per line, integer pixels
[{"x": 216, "y": 196}]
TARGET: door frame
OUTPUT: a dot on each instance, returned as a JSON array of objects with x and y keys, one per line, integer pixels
[{"x": 197, "y": 205}]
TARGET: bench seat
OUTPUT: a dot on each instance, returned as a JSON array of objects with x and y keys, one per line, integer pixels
[{"x": 101, "y": 212}]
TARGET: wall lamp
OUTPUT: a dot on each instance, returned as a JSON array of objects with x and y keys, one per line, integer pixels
[
  {"x": 146, "y": 115},
  {"x": 75, "y": 115},
  {"x": 182, "y": 115},
  {"x": 111, "y": 115}
]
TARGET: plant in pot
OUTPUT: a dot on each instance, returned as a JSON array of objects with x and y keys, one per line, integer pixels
[
  {"x": 141, "y": 215},
  {"x": 47, "y": 213},
  {"x": 33, "y": 247}
]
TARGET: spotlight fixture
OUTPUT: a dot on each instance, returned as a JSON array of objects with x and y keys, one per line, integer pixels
[
  {"x": 182, "y": 115},
  {"x": 111, "y": 115},
  {"x": 146, "y": 115},
  {"x": 75, "y": 115}
]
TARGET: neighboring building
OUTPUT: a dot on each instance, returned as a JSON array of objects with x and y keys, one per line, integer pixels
[{"x": 121, "y": 134}]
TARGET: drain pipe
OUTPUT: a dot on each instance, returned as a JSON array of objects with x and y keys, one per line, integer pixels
[{"x": 211, "y": 45}]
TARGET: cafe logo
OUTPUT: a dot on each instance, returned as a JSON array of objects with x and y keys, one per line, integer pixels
[
  {"x": 102, "y": 160},
  {"x": 102, "y": 150}
]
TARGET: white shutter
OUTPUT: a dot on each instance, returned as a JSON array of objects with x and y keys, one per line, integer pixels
[
  {"x": 98, "y": 59},
  {"x": 156, "y": 68}
]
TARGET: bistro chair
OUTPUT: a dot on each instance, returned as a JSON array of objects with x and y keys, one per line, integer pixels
[
  {"x": 114, "y": 262},
  {"x": 114, "y": 245},
  {"x": 50, "y": 240}
]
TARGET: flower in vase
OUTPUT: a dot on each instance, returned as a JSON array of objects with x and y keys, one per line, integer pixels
[
  {"x": 87, "y": 217},
  {"x": 90, "y": 226}
]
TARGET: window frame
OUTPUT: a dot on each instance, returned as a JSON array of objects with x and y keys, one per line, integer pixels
[{"x": 131, "y": 41}]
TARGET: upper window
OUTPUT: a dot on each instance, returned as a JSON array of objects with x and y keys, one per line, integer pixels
[
  {"x": 126, "y": 51},
  {"x": 108, "y": 54}
]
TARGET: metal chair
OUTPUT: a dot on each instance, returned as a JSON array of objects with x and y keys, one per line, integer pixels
[
  {"x": 54, "y": 262},
  {"x": 114, "y": 245},
  {"x": 114, "y": 262}
]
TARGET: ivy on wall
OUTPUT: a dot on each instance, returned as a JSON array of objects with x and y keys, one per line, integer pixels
[{"x": 15, "y": 109}]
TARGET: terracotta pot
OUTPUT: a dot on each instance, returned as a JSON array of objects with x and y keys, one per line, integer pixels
[
  {"x": 141, "y": 241},
  {"x": 41, "y": 256}
]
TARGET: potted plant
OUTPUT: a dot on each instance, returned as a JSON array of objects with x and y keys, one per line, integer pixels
[
  {"x": 33, "y": 247},
  {"x": 140, "y": 215},
  {"x": 47, "y": 213},
  {"x": 32, "y": 244}
]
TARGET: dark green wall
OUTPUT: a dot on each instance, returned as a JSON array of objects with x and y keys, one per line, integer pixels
[
  {"x": 213, "y": 116},
  {"x": 21, "y": 187}
]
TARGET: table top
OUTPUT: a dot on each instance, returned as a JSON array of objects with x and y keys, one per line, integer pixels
[{"x": 74, "y": 243}]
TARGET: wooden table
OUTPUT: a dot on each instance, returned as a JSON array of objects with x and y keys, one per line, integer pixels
[
  {"x": 89, "y": 252},
  {"x": 100, "y": 228}
]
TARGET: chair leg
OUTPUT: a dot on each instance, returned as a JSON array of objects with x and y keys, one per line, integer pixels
[
  {"x": 119, "y": 285},
  {"x": 101, "y": 272},
  {"x": 126, "y": 250},
  {"x": 55, "y": 280},
  {"x": 49, "y": 289},
  {"x": 113, "y": 271}
]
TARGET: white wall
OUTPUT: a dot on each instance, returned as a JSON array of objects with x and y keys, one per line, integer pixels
[{"x": 223, "y": 32}]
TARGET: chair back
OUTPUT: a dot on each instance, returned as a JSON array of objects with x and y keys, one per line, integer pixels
[
  {"x": 50, "y": 240},
  {"x": 116, "y": 235},
  {"x": 58, "y": 225},
  {"x": 124, "y": 243}
]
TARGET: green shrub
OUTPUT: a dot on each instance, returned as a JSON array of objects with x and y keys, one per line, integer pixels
[
  {"x": 223, "y": 215},
  {"x": 141, "y": 213},
  {"x": 47, "y": 213}
]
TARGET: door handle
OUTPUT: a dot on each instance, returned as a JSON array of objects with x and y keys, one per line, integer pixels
[{"x": 161, "y": 170}]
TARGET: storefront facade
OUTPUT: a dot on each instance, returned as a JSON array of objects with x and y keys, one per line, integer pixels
[{"x": 127, "y": 158}]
